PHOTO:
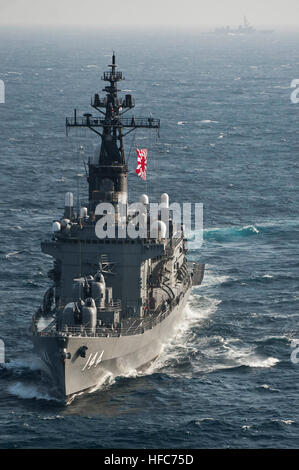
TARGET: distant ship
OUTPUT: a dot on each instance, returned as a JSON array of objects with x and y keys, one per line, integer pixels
[{"x": 244, "y": 28}]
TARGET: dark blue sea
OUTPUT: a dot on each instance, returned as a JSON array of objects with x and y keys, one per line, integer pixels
[{"x": 229, "y": 139}]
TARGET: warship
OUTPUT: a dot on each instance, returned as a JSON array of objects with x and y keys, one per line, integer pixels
[
  {"x": 114, "y": 300},
  {"x": 243, "y": 29}
]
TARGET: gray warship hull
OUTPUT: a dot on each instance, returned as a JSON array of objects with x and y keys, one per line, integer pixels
[{"x": 116, "y": 355}]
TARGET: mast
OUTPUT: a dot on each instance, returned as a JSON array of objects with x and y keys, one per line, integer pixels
[{"x": 108, "y": 171}]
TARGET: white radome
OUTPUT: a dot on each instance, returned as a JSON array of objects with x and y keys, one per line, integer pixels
[
  {"x": 144, "y": 199},
  {"x": 165, "y": 200},
  {"x": 56, "y": 227},
  {"x": 69, "y": 200}
]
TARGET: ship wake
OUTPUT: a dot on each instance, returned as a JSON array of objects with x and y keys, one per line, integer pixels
[
  {"x": 28, "y": 379},
  {"x": 181, "y": 347}
]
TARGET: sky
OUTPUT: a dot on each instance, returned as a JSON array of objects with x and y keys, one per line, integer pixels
[{"x": 146, "y": 13}]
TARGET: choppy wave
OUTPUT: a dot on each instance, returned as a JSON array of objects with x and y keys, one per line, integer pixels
[
  {"x": 218, "y": 353},
  {"x": 30, "y": 392},
  {"x": 267, "y": 388},
  {"x": 212, "y": 279},
  {"x": 225, "y": 233},
  {"x": 235, "y": 233},
  {"x": 107, "y": 380},
  {"x": 26, "y": 367}
]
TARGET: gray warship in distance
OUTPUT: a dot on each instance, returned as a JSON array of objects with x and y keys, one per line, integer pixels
[
  {"x": 243, "y": 29},
  {"x": 114, "y": 302}
]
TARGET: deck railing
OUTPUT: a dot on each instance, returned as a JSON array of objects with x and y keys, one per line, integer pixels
[{"x": 138, "y": 327}]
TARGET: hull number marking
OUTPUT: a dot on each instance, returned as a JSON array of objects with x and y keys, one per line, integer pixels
[{"x": 93, "y": 360}]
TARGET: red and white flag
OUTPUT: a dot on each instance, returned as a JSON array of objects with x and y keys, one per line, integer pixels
[{"x": 142, "y": 162}]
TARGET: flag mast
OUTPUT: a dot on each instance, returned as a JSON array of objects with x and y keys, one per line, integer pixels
[{"x": 108, "y": 171}]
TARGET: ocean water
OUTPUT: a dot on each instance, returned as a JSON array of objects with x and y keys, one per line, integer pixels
[{"x": 229, "y": 139}]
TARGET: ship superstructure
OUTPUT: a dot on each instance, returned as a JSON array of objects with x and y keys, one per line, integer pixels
[{"x": 115, "y": 300}]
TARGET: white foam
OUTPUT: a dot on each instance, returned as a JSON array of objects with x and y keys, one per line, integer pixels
[
  {"x": 199, "y": 307},
  {"x": 267, "y": 387},
  {"x": 47, "y": 418},
  {"x": 250, "y": 227},
  {"x": 105, "y": 382},
  {"x": 286, "y": 421},
  {"x": 212, "y": 279},
  {"x": 240, "y": 355},
  {"x": 256, "y": 361},
  {"x": 29, "y": 392},
  {"x": 202, "y": 420},
  {"x": 220, "y": 353},
  {"x": 31, "y": 362},
  {"x": 13, "y": 253}
]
